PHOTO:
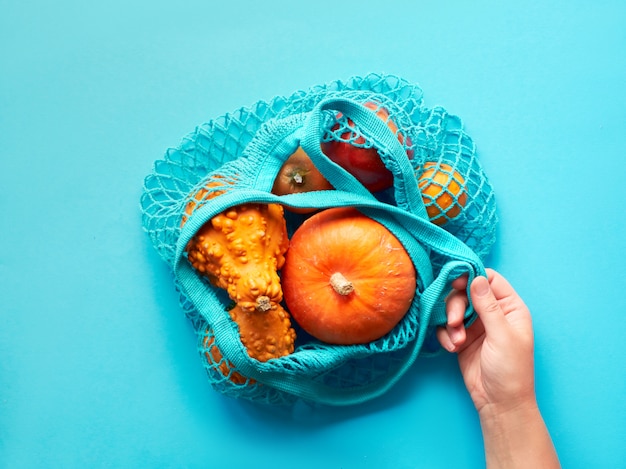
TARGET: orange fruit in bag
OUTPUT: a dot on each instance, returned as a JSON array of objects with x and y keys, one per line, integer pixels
[{"x": 443, "y": 192}]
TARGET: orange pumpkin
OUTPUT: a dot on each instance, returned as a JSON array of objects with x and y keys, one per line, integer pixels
[{"x": 347, "y": 279}]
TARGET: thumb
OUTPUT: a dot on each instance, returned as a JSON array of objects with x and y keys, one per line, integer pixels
[{"x": 487, "y": 306}]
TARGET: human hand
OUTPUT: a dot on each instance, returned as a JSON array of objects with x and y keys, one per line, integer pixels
[
  {"x": 496, "y": 352},
  {"x": 496, "y": 359}
]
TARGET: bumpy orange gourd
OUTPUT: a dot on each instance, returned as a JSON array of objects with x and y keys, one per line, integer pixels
[
  {"x": 347, "y": 279},
  {"x": 265, "y": 335},
  {"x": 443, "y": 192},
  {"x": 240, "y": 250}
]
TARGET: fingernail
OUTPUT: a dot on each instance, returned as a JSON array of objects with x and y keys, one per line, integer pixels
[
  {"x": 455, "y": 336},
  {"x": 482, "y": 286}
]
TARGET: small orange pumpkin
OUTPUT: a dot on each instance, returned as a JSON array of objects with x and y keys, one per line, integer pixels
[{"x": 347, "y": 279}]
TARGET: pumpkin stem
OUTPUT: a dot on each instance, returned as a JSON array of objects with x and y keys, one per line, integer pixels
[
  {"x": 263, "y": 303},
  {"x": 341, "y": 284}
]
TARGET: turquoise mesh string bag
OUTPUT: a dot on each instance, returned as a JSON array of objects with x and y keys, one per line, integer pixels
[{"x": 447, "y": 230}]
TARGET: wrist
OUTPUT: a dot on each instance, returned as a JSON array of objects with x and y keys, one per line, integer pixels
[
  {"x": 510, "y": 413},
  {"x": 516, "y": 436}
]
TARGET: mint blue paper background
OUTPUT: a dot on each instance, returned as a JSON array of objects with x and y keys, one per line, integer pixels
[{"x": 98, "y": 366}]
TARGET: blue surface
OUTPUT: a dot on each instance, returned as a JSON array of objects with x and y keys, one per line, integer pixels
[{"x": 98, "y": 367}]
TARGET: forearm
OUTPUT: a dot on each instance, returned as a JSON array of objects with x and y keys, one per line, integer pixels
[{"x": 517, "y": 438}]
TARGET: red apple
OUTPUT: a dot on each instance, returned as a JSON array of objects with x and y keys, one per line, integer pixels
[{"x": 364, "y": 164}]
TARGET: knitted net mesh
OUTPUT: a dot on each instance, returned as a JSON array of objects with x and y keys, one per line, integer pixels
[{"x": 218, "y": 156}]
